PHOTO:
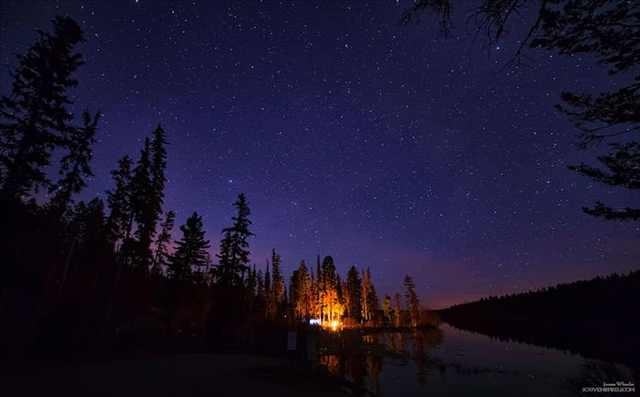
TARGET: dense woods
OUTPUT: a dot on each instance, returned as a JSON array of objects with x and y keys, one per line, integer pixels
[
  {"x": 80, "y": 276},
  {"x": 595, "y": 317}
]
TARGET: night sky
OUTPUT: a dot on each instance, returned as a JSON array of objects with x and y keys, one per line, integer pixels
[{"x": 382, "y": 145}]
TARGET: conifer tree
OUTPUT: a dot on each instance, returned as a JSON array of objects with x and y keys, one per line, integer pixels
[
  {"x": 161, "y": 255},
  {"x": 354, "y": 292},
  {"x": 277, "y": 282},
  {"x": 75, "y": 165},
  {"x": 371, "y": 298},
  {"x": 387, "y": 310},
  {"x": 260, "y": 285},
  {"x": 142, "y": 205},
  {"x": 397, "y": 311},
  {"x": 301, "y": 292},
  {"x": 158, "y": 167},
  {"x": 233, "y": 257},
  {"x": 330, "y": 306},
  {"x": 119, "y": 202},
  {"x": 191, "y": 253},
  {"x": 366, "y": 286},
  {"x": 35, "y": 119},
  {"x": 269, "y": 308},
  {"x": 413, "y": 304}
]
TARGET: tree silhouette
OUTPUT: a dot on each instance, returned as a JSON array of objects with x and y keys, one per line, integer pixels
[
  {"x": 191, "y": 253},
  {"x": 119, "y": 202},
  {"x": 609, "y": 31},
  {"x": 354, "y": 294},
  {"x": 369, "y": 296},
  {"x": 387, "y": 310},
  {"x": 35, "y": 118},
  {"x": 234, "y": 247},
  {"x": 397, "y": 311},
  {"x": 143, "y": 197},
  {"x": 277, "y": 285},
  {"x": 566, "y": 316},
  {"x": 76, "y": 163},
  {"x": 161, "y": 256},
  {"x": 301, "y": 292},
  {"x": 413, "y": 304}
]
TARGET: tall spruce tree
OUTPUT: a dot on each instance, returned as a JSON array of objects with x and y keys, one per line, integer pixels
[
  {"x": 233, "y": 257},
  {"x": 158, "y": 166},
  {"x": 300, "y": 290},
  {"x": 35, "y": 118},
  {"x": 143, "y": 207},
  {"x": 76, "y": 163},
  {"x": 119, "y": 203},
  {"x": 354, "y": 292},
  {"x": 413, "y": 304},
  {"x": 387, "y": 310},
  {"x": 161, "y": 255},
  {"x": 191, "y": 254},
  {"x": 277, "y": 281},
  {"x": 329, "y": 304},
  {"x": 371, "y": 297},
  {"x": 260, "y": 294},
  {"x": 397, "y": 310}
]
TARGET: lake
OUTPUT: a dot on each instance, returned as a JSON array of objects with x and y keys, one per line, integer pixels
[{"x": 449, "y": 361}]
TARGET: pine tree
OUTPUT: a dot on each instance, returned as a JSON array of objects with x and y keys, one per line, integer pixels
[
  {"x": 364, "y": 291},
  {"x": 158, "y": 167},
  {"x": 269, "y": 309},
  {"x": 191, "y": 253},
  {"x": 252, "y": 282},
  {"x": 34, "y": 118},
  {"x": 277, "y": 281},
  {"x": 142, "y": 205},
  {"x": 88, "y": 245},
  {"x": 301, "y": 292},
  {"x": 233, "y": 258},
  {"x": 329, "y": 304},
  {"x": 119, "y": 202},
  {"x": 397, "y": 312},
  {"x": 413, "y": 304},
  {"x": 161, "y": 256},
  {"x": 260, "y": 285},
  {"x": 76, "y": 163},
  {"x": 387, "y": 310},
  {"x": 354, "y": 292},
  {"x": 371, "y": 298}
]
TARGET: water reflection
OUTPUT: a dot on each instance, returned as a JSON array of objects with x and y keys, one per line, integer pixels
[
  {"x": 360, "y": 357},
  {"x": 450, "y": 361}
]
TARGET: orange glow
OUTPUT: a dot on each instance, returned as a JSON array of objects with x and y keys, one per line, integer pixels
[{"x": 334, "y": 325}]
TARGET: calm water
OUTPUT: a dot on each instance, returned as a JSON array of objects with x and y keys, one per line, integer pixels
[{"x": 449, "y": 361}]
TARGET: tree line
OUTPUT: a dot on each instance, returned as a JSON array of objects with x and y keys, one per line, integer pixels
[
  {"x": 592, "y": 317},
  {"x": 97, "y": 274}
]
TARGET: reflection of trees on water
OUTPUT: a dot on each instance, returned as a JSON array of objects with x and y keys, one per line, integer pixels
[
  {"x": 359, "y": 358},
  {"x": 423, "y": 343},
  {"x": 374, "y": 369},
  {"x": 394, "y": 342}
]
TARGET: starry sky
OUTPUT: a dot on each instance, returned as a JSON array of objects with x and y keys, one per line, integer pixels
[{"x": 383, "y": 145}]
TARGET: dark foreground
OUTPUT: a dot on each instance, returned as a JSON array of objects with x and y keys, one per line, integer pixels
[{"x": 189, "y": 375}]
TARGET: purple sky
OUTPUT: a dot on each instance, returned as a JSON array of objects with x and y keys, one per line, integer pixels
[{"x": 382, "y": 145}]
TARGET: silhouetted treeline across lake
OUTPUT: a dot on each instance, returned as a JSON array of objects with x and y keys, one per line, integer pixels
[{"x": 597, "y": 318}]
